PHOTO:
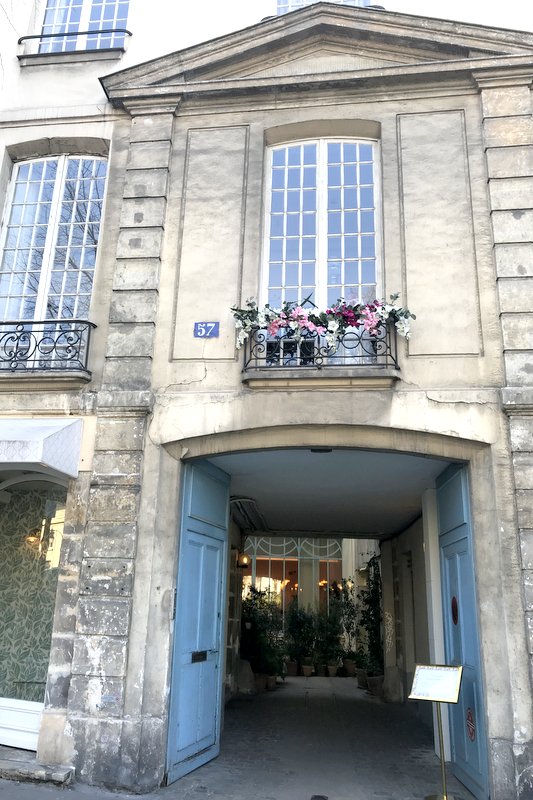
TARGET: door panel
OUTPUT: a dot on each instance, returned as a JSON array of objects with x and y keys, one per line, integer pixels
[
  {"x": 195, "y": 701},
  {"x": 467, "y": 720}
]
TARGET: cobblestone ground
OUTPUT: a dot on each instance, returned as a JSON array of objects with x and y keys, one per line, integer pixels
[{"x": 311, "y": 737}]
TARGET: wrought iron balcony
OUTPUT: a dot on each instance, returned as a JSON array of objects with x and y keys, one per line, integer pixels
[
  {"x": 356, "y": 348},
  {"x": 50, "y": 346}
]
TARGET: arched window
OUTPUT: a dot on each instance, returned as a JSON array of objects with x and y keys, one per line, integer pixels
[
  {"x": 322, "y": 222},
  {"x": 50, "y": 237}
]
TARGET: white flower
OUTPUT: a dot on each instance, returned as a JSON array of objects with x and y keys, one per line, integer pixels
[{"x": 402, "y": 326}]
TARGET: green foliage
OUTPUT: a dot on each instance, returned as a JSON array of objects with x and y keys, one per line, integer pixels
[
  {"x": 328, "y": 632},
  {"x": 300, "y": 632},
  {"x": 370, "y": 617},
  {"x": 262, "y": 633}
]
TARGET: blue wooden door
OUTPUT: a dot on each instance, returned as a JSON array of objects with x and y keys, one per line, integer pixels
[
  {"x": 196, "y": 683},
  {"x": 467, "y": 718}
]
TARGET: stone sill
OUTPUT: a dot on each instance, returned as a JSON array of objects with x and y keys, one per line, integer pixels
[
  {"x": 43, "y": 381},
  {"x": 70, "y": 57},
  {"x": 328, "y": 379}
]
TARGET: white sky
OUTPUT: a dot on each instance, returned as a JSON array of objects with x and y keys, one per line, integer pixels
[{"x": 206, "y": 19}]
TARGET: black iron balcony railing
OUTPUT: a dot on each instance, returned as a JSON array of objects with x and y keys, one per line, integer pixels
[
  {"x": 355, "y": 348},
  {"x": 76, "y": 41},
  {"x": 49, "y": 345}
]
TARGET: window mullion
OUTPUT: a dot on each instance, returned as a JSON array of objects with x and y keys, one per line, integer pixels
[
  {"x": 51, "y": 238},
  {"x": 322, "y": 226}
]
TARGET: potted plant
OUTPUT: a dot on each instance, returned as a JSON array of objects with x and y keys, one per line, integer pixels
[
  {"x": 262, "y": 636},
  {"x": 370, "y": 616},
  {"x": 300, "y": 633}
]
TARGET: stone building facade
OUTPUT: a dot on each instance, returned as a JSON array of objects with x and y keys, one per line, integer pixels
[{"x": 427, "y": 451}]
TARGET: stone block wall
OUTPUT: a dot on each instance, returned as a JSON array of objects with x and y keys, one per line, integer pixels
[
  {"x": 508, "y": 137},
  {"x": 105, "y": 569}
]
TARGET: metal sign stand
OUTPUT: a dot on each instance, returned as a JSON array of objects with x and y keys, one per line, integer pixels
[
  {"x": 440, "y": 684},
  {"x": 444, "y": 795}
]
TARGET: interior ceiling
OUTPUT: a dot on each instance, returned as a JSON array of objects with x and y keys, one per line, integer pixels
[{"x": 351, "y": 492}]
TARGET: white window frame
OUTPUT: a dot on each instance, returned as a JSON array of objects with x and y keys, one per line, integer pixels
[
  {"x": 75, "y": 42},
  {"x": 51, "y": 238},
  {"x": 322, "y": 211}
]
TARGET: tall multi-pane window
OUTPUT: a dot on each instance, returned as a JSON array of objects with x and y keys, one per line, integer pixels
[
  {"x": 50, "y": 237},
  {"x": 77, "y": 17},
  {"x": 322, "y": 237}
]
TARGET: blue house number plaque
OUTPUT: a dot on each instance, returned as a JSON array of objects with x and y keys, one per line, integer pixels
[{"x": 206, "y": 330}]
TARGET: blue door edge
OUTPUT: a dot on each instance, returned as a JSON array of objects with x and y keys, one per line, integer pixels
[
  {"x": 175, "y": 771},
  {"x": 461, "y": 471}
]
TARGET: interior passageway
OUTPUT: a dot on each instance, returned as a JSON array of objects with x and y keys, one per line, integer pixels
[{"x": 319, "y": 736}]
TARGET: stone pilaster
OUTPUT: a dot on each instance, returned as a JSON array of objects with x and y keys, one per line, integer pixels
[
  {"x": 99, "y": 683},
  {"x": 508, "y": 137}
]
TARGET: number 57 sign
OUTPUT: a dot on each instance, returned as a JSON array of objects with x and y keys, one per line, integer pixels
[{"x": 206, "y": 330}]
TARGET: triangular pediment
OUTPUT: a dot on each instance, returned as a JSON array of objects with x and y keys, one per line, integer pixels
[{"x": 321, "y": 40}]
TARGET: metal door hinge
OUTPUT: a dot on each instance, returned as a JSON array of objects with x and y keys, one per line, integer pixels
[{"x": 174, "y": 603}]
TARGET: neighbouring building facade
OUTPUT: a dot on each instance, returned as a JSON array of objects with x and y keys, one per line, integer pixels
[{"x": 330, "y": 152}]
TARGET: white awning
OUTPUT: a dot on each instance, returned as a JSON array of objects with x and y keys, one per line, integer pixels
[{"x": 46, "y": 445}]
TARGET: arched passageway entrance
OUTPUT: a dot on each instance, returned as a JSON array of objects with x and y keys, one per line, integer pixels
[{"x": 324, "y": 490}]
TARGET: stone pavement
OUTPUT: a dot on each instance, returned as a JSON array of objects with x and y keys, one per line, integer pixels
[{"x": 312, "y": 736}]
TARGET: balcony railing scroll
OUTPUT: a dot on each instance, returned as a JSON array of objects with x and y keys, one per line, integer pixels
[
  {"x": 45, "y": 346},
  {"x": 356, "y": 348}
]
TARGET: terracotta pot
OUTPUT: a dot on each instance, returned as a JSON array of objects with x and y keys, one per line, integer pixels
[
  {"x": 307, "y": 670},
  {"x": 292, "y": 668},
  {"x": 332, "y": 669},
  {"x": 375, "y": 684},
  {"x": 349, "y": 666},
  {"x": 260, "y": 682},
  {"x": 270, "y": 683},
  {"x": 361, "y": 675}
]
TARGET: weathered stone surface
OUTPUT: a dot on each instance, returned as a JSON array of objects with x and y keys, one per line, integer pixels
[
  {"x": 107, "y": 576},
  {"x": 511, "y": 193},
  {"x": 506, "y": 101},
  {"x": 139, "y": 243},
  {"x": 524, "y": 770},
  {"x": 153, "y": 155},
  {"x": 138, "y": 273},
  {"x": 67, "y": 589},
  {"x": 106, "y": 616},
  {"x": 99, "y": 655},
  {"x": 113, "y": 504},
  {"x": 528, "y": 589},
  {"x": 452, "y": 255},
  {"x": 129, "y": 401},
  {"x": 518, "y": 368},
  {"x": 526, "y": 548},
  {"x": 509, "y": 162},
  {"x": 76, "y": 505},
  {"x": 143, "y": 740},
  {"x": 502, "y": 756},
  {"x": 98, "y": 749},
  {"x": 130, "y": 339},
  {"x": 120, "y": 434},
  {"x": 515, "y": 294},
  {"x": 144, "y": 213},
  {"x": 514, "y": 260},
  {"x": 516, "y": 399},
  {"x": 521, "y": 429},
  {"x": 127, "y": 374},
  {"x": 146, "y": 183},
  {"x": 517, "y": 331},
  {"x": 110, "y": 540},
  {"x": 117, "y": 467},
  {"x": 524, "y": 507},
  {"x": 512, "y": 226},
  {"x": 529, "y": 621},
  {"x": 523, "y": 469},
  {"x": 130, "y": 306},
  {"x": 97, "y": 696},
  {"x": 152, "y": 128},
  {"x": 508, "y": 131}
]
